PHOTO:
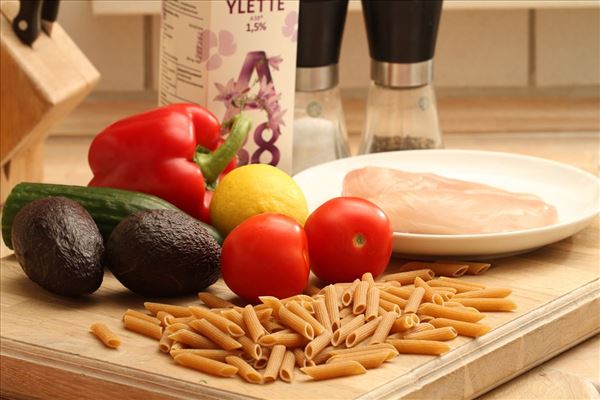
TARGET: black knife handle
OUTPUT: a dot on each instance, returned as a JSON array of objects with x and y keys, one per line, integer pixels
[
  {"x": 50, "y": 10},
  {"x": 27, "y": 23}
]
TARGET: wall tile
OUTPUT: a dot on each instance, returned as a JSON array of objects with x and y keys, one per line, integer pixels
[
  {"x": 567, "y": 47},
  {"x": 114, "y": 44}
]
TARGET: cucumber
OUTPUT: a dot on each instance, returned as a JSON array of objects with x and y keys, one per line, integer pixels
[{"x": 107, "y": 206}]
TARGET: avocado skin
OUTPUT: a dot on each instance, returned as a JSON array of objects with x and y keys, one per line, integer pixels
[
  {"x": 59, "y": 246},
  {"x": 163, "y": 253}
]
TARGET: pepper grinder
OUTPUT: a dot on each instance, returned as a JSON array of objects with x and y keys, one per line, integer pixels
[
  {"x": 401, "y": 105},
  {"x": 319, "y": 126}
]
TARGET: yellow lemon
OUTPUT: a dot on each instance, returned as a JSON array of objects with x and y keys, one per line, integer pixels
[{"x": 255, "y": 189}]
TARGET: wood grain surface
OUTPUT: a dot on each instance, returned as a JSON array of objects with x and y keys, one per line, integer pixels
[{"x": 556, "y": 288}]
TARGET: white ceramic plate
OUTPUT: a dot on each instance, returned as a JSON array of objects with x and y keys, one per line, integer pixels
[{"x": 573, "y": 192}]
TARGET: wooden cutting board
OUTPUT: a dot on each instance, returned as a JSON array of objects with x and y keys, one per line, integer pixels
[{"x": 47, "y": 352}]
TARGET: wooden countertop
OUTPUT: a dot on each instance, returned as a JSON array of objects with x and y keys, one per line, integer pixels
[{"x": 573, "y": 374}]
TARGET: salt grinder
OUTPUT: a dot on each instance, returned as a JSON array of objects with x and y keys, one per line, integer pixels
[
  {"x": 319, "y": 126},
  {"x": 401, "y": 106}
]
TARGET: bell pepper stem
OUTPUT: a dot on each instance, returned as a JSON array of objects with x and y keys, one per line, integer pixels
[{"x": 213, "y": 163}]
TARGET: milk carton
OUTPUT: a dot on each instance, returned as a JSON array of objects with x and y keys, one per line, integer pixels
[{"x": 235, "y": 55}]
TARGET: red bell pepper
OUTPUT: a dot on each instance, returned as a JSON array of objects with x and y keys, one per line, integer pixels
[{"x": 172, "y": 152}]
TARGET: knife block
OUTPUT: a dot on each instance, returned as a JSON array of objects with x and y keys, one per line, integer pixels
[{"x": 39, "y": 87}]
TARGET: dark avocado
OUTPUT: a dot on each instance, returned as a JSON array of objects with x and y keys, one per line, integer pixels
[
  {"x": 163, "y": 253},
  {"x": 59, "y": 246}
]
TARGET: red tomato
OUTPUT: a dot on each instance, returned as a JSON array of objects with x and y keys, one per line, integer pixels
[
  {"x": 348, "y": 236},
  {"x": 266, "y": 255}
]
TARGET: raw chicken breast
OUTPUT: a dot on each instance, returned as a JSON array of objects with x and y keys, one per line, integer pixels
[{"x": 431, "y": 204}]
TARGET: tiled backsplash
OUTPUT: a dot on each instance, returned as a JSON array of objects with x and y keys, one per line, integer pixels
[{"x": 491, "y": 48}]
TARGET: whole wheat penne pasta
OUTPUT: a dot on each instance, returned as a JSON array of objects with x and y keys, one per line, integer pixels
[
  {"x": 368, "y": 277},
  {"x": 253, "y": 325},
  {"x": 334, "y": 370},
  {"x": 193, "y": 339},
  {"x": 463, "y": 328},
  {"x": 340, "y": 335},
  {"x": 234, "y": 316},
  {"x": 205, "y": 365},
  {"x": 402, "y": 292},
  {"x": 250, "y": 347},
  {"x": 217, "y": 320},
  {"x": 214, "y": 301},
  {"x": 389, "y": 306},
  {"x": 296, "y": 323},
  {"x": 460, "y": 287},
  {"x": 429, "y": 294},
  {"x": 273, "y": 302},
  {"x": 370, "y": 359},
  {"x": 387, "y": 296},
  {"x": 312, "y": 290},
  {"x": 348, "y": 294},
  {"x": 176, "y": 311},
  {"x": 373, "y": 347},
  {"x": 299, "y": 356},
  {"x": 362, "y": 333},
  {"x": 105, "y": 335},
  {"x": 142, "y": 326},
  {"x": 177, "y": 326},
  {"x": 300, "y": 311},
  {"x": 263, "y": 314},
  {"x": 456, "y": 313},
  {"x": 165, "y": 343},
  {"x": 485, "y": 293},
  {"x": 403, "y": 323},
  {"x": 408, "y": 277},
  {"x": 383, "y": 328},
  {"x": 286, "y": 371},
  {"x": 414, "y": 301},
  {"x": 446, "y": 296},
  {"x": 244, "y": 370},
  {"x": 423, "y": 326},
  {"x": 322, "y": 315},
  {"x": 475, "y": 268},
  {"x": 213, "y": 354},
  {"x": 209, "y": 330},
  {"x": 371, "y": 310},
  {"x": 425, "y": 318},
  {"x": 261, "y": 363},
  {"x": 439, "y": 269},
  {"x": 182, "y": 320},
  {"x": 272, "y": 326},
  {"x": 143, "y": 316},
  {"x": 316, "y": 345},
  {"x": 165, "y": 318},
  {"x": 488, "y": 304},
  {"x": 274, "y": 363},
  {"x": 407, "y": 346},
  {"x": 440, "y": 334},
  {"x": 288, "y": 339},
  {"x": 257, "y": 307},
  {"x": 332, "y": 304}
]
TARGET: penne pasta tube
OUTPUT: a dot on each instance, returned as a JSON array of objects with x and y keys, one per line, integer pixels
[
  {"x": 253, "y": 325},
  {"x": 402, "y": 292},
  {"x": 288, "y": 339},
  {"x": 387, "y": 296},
  {"x": 234, "y": 316},
  {"x": 182, "y": 320},
  {"x": 165, "y": 318},
  {"x": 296, "y": 323},
  {"x": 370, "y": 359},
  {"x": 463, "y": 328},
  {"x": 429, "y": 294},
  {"x": 475, "y": 268},
  {"x": 404, "y": 323},
  {"x": 368, "y": 277},
  {"x": 431, "y": 347},
  {"x": 244, "y": 370},
  {"x": 461, "y": 282},
  {"x": 274, "y": 363},
  {"x": 176, "y": 311},
  {"x": 425, "y": 318},
  {"x": 316, "y": 345},
  {"x": 143, "y": 316},
  {"x": 387, "y": 284},
  {"x": 300, "y": 357},
  {"x": 348, "y": 294},
  {"x": 372, "y": 309},
  {"x": 440, "y": 269},
  {"x": 362, "y": 333},
  {"x": 414, "y": 301},
  {"x": 488, "y": 304},
  {"x": 209, "y": 330},
  {"x": 214, "y": 301},
  {"x": 408, "y": 277},
  {"x": 334, "y": 370},
  {"x": 485, "y": 293},
  {"x": 340, "y": 335},
  {"x": 331, "y": 302},
  {"x": 456, "y": 313},
  {"x": 346, "y": 311},
  {"x": 272, "y": 302},
  {"x": 444, "y": 289},
  {"x": 347, "y": 319},
  {"x": 177, "y": 326},
  {"x": 263, "y": 314},
  {"x": 142, "y": 326},
  {"x": 213, "y": 354},
  {"x": 321, "y": 314},
  {"x": 440, "y": 334},
  {"x": 217, "y": 320},
  {"x": 383, "y": 328},
  {"x": 165, "y": 343},
  {"x": 423, "y": 326},
  {"x": 312, "y": 290},
  {"x": 192, "y": 339},
  {"x": 105, "y": 335},
  {"x": 452, "y": 304},
  {"x": 373, "y": 347},
  {"x": 286, "y": 371},
  {"x": 205, "y": 365},
  {"x": 301, "y": 312},
  {"x": 460, "y": 287},
  {"x": 272, "y": 326},
  {"x": 389, "y": 306},
  {"x": 177, "y": 346},
  {"x": 250, "y": 347}
]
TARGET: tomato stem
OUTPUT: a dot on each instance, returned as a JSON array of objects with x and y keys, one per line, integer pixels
[{"x": 359, "y": 240}]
